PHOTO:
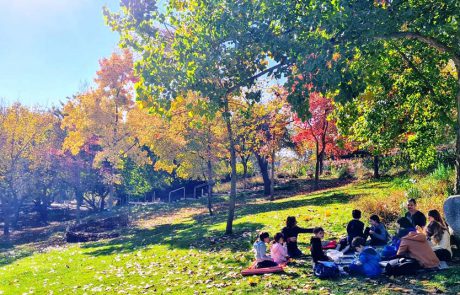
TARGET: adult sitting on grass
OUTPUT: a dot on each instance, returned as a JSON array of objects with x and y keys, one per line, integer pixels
[
  {"x": 416, "y": 217},
  {"x": 415, "y": 245},
  {"x": 377, "y": 232},
  {"x": 439, "y": 239},
  {"x": 434, "y": 215},
  {"x": 404, "y": 228},
  {"x": 368, "y": 260},
  {"x": 260, "y": 249},
  {"x": 291, "y": 231}
]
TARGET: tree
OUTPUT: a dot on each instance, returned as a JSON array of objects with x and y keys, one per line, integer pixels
[
  {"x": 189, "y": 145},
  {"x": 24, "y": 135},
  {"x": 215, "y": 56},
  {"x": 319, "y": 131},
  {"x": 98, "y": 115},
  {"x": 323, "y": 38}
]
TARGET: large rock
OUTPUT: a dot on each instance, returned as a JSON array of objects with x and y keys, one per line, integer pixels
[{"x": 452, "y": 214}]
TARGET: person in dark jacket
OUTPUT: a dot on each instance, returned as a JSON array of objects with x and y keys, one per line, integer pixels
[
  {"x": 317, "y": 252},
  {"x": 355, "y": 228},
  {"x": 416, "y": 217},
  {"x": 291, "y": 231},
  {"x": 405, "y": 227},
  {"x": 377, "y": 232}
]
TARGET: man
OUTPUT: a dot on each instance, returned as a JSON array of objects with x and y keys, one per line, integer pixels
[{"x": 416, "y": 217}]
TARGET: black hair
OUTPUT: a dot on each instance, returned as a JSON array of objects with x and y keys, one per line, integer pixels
[
  {"x": 404, "y": 222},
  {"x": 263, "y": 236},
  {"x": 357, "y": 242},
  {"x": 375, "y": 218},
  {"x": 356, "y": 214},
  {"x": 278, "y": 236},
  {"x": 412, "y": 200},
  {"x": 317, "y": 230},
  {"x": 291, "y": 221}
]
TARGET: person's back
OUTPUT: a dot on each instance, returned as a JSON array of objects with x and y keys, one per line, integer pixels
[
  {"x": 370, "y": 260},
  {"x": 415, "y": 245},
  {"x": 355, "y": 228},
  {"x": 260, "y": 250}
]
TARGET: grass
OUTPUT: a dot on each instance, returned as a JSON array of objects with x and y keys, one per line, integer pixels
[{"x": 179, "y": 249}]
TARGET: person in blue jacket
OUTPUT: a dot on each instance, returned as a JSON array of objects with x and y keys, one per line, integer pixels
[
  {"x": 377, "y": 232},
  {"x": 367, "y": 263}
]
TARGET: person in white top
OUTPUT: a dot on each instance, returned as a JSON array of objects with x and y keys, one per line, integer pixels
[
  {"x": 440, "y": 240},
  {"x": 278, "y": 250}
]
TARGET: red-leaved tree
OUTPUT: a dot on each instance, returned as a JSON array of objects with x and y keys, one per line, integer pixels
[{"x": 319, "y": 131}]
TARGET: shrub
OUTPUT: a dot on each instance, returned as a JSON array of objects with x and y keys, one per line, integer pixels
[{"x": 389, "y": 208}]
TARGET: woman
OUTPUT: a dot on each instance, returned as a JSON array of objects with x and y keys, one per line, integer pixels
[
  {"x": 291, "y": 232},
  {"x": 434, "y": 215},
  {"x": 416, "y": 246},
  {"x": 440, "y": 240}
]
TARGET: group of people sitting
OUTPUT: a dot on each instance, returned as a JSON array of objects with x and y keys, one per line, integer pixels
[{"x": 427, "y": 244}]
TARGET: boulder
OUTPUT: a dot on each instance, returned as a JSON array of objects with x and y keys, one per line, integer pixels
[{"x": 452, "y": 214}]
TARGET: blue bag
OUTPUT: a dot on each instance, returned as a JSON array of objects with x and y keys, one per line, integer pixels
[{"x": 326, "y": 270}]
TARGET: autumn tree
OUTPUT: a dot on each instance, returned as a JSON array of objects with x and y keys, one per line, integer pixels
[
  {"x": 99, "y": 115},
  {"x": 319, "y": 131},
  {"x": 215, "y": 56},
  {"x": 24, "y": 137}
]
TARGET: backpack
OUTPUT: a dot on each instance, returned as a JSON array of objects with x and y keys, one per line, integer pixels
[
  {"x": 326, "y": 270},
  {"x": 402, "y": 266}
]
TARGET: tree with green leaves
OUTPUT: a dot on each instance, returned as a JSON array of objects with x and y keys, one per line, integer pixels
[{"x": 204, "y": 46}]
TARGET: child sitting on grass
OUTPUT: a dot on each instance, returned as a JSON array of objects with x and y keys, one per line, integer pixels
[
  {"x": 260, "y": 249},
  {"x": 377, "y": 232},
  {"x": 355, "y": 228},
  {"x": 317, "y": 252},
  {"x": 368, "y": 260},
  {"x": 278, "y": 250}
]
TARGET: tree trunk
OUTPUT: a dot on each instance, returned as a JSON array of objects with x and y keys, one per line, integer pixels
[
  {"x": 232, "y": 201},
  {"x": 244, "y": 162},
  {"x": 376, "y": 167},
  {"x": 16, "y": 209},
  {"x": 321, "y": 164},
  {"x": 457, "y": 129},
  {"x": 317, "y": 166},
  {"x": 263, "y": 166},
  {"x": 79, "y": 199},
  {"x": 210, "y": 181},
  {"x": 6, "y": 219},
  {"x": 272, "y": 180},
  {"x": 102, "y": 207}
]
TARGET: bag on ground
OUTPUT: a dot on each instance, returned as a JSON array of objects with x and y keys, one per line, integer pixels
[
  {"x": 326, "y": 270},
  {"x": 402, "y": 266}
]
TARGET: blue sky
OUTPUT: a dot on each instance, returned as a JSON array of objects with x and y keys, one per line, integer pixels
[{"x": 50, "y": 48}]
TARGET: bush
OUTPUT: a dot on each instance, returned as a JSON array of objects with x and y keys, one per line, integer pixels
[
  {"x": 442, "y": 172},
  {"x": 389, "y": 208},
  {"x": 240, "y": 169}
]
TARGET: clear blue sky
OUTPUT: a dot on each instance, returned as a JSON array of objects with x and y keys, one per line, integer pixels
[{"x": 50, "y": 48}]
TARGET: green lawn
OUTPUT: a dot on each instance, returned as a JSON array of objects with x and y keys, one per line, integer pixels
[{"x": 182, "y": 250}]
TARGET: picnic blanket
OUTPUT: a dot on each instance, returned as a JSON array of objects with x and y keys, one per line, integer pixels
[{"x": 252, "y": 270}]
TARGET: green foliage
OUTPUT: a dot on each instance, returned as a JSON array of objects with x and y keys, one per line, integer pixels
[
  {"x": 442, "y": 172},
  {"x": 240, "y": 169}
]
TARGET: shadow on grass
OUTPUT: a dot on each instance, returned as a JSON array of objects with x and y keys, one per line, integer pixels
[
  {"x": 197, "y": 233},
  {"x": 180, "y": 235}
]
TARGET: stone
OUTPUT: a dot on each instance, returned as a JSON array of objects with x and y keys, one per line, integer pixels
[{"x": 452, "y": 214}]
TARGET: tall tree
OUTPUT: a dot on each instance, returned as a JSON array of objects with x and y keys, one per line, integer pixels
[
  {"x": 98, "y": 115},
  {"x": 203, "y": 46}
]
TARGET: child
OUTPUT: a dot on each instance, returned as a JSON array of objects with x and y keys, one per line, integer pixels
[
  {"x": 317, "y": 252},
  {"x": 278, "y": 250},
  {"x": 377, "y": 232},
  {"x": 355, "y": 229},
  {"x": 416, "y": 246},
  {"x": 434, "y": 215},
  {"x": 405, "y": 227},
  {"x": 290, "y": 232},
  {"x": 260, "y": 249},
  {"x": 368, "y": 260}
]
